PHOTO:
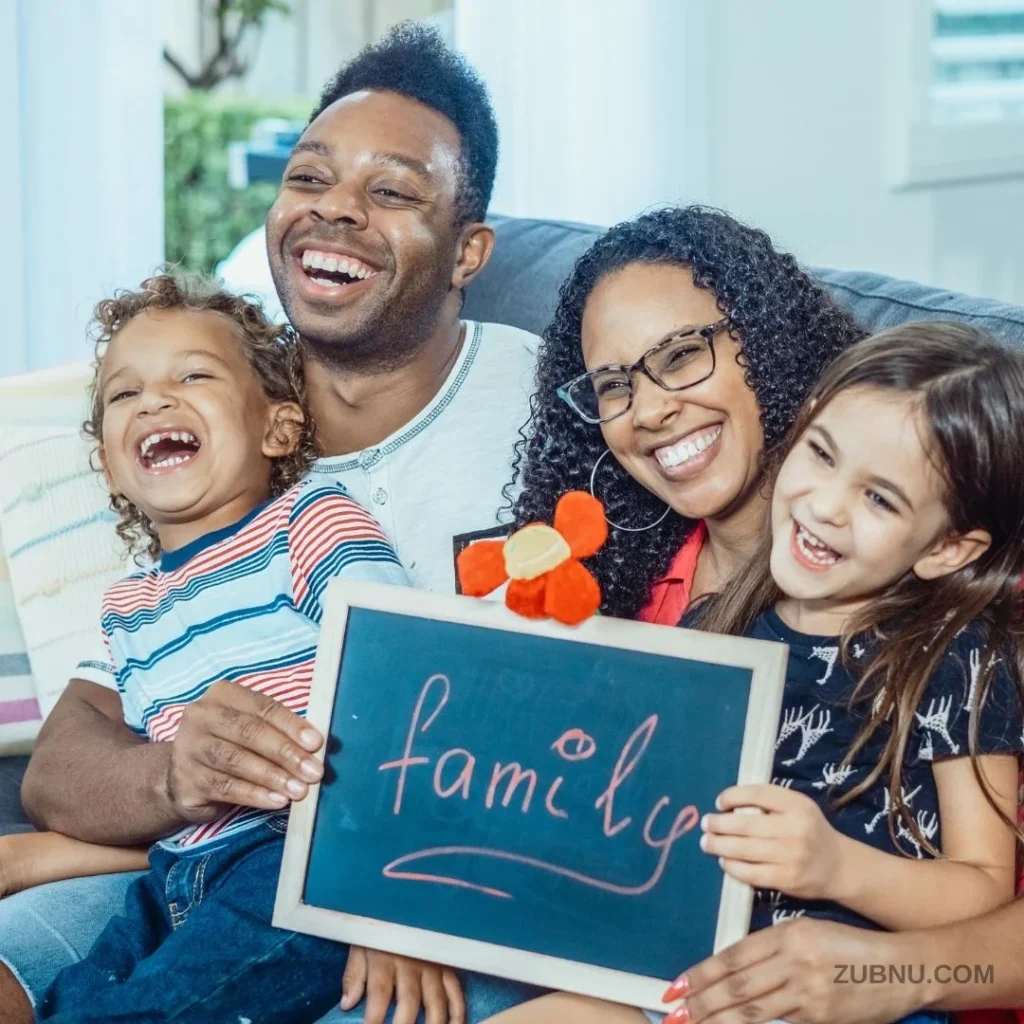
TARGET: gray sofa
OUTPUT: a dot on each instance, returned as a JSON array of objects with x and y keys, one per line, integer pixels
[{"x": 520, "y": 287}]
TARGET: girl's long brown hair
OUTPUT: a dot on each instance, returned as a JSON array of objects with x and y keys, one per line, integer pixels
[{"x": 970, "y": 391}]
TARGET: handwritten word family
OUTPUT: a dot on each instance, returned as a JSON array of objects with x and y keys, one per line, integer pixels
[{"x": 454, "y": 775}]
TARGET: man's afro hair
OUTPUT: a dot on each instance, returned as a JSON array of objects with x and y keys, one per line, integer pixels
[{"x": 413, "y": 60}]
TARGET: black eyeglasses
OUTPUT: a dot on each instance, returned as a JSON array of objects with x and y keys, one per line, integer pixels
[{"x": 674, "y": 364}]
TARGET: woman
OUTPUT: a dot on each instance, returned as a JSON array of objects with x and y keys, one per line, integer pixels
[
  {"x": 682, "y": 348},
  {"x": 737, "y": 334}
]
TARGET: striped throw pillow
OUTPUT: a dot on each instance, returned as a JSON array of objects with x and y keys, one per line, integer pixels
[
  {"x": 20, "y": 717},
  {"x": 62, "y": 551},
  {"x": 45, "y": 402}
]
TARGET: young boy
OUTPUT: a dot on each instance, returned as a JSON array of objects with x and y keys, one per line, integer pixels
[{"x": 201, "y": 431}]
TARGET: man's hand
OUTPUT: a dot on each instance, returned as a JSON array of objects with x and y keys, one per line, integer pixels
[
  {"x": 792, "y": 972},
  {"x": 383, "y": 976},
  {"x": 234, "y": 746},
  {"x": 789, "y": 847}
]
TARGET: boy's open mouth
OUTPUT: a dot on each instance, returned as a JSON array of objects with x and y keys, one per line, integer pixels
[
  {"x": 167, "y": 449},
  {"x": 334, "y": 270}
]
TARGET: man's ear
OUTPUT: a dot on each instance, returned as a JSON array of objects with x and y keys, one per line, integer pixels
[
  {"x": 952, "y": 553},
  {"x": 105, "y": 468},
  {"x": 284, "y": 428},
  {"x": 476, "y": 243}
]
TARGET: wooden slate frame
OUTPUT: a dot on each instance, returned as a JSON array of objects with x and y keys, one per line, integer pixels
[{"x": 767, "y": 663}]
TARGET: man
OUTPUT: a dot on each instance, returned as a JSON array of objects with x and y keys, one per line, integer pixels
[{"x": 377, "y": 229}]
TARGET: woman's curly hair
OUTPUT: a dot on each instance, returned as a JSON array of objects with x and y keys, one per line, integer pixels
[
  {"x": 788, "y": 329},
  {"x": 271, "y": 350}
]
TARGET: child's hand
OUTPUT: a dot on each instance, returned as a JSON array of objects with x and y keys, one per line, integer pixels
[
  {"x": 412, "y": 983},
  {"x": 790, "y": 847}
]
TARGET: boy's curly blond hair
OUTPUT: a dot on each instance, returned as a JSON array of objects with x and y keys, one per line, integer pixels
[{"x": 272, "y": 352}]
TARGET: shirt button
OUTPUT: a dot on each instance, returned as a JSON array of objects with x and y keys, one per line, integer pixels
[
  {"x": 380, "y": 496},
  {"x": 369, "y": 457}
]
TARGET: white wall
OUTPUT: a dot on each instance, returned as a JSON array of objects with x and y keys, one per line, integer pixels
[
  {"x": 12, "y": 282},
  {"x": 586, "y": 91},
  {"x": 296, "y": 53},
  {"x": 82, "y": 156},
  {"x": 781, "y": 112}
]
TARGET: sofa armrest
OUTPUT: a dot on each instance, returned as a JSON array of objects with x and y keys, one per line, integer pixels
[{"x": 12, "y": 817}]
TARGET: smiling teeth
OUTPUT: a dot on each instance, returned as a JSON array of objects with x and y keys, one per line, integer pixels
[
  {"x": 683, "y": 451},
  {"x": 814, "y": 550},
  {"x": 146, "y": 444},
  {"x": 313, "y": 259}
]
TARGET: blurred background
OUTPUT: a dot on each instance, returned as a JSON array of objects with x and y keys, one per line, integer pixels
[{"x": 883, "y": 135}]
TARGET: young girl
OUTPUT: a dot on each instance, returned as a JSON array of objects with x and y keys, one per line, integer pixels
[{"x": 892, "y": 570}]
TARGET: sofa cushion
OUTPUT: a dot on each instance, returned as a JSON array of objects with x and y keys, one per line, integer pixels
[
  {"x": 532, "y": 258},
  {"x": 63, "y": 552},
  {"x": 879, "y": 301},
  {"x": 54, "y": 397},
  {"x": 12, "y": 817},
  {"x": 20, "y": 717}
]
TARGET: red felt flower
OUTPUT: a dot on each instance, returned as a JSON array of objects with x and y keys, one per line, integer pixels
[{"x": 542, "y": 563}]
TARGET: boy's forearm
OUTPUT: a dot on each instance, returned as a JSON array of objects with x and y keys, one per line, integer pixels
[
  {"x": 90, "y": 777},
  {"x": 899, "y": 892}
]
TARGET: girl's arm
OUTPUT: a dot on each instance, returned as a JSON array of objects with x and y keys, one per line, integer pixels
[
  {"x": 792, "y": 848},
  {"x": 976, "y": 875},
  {"x": 34, "y": 858},
  {"x": 976, "y": 871}
]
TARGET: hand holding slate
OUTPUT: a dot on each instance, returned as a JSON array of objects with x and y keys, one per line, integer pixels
[
  {"x": 410, "y": 982},
  {"x": 791, "y": 847},
  {"x": 550, "y": 841},
  {"x": 235, "y": 746}
]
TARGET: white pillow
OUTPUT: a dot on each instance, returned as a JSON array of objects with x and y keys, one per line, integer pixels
[
  {"x": 62, "y": 550},
  {"x": 55, "y": 397},
  {"x": 59, "y": 565}
]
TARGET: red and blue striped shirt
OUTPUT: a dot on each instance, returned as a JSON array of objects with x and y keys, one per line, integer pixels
[{"x": 240, "y": 604}]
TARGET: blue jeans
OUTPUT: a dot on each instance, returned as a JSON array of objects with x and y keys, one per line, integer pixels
[
  {"x": 51, "y": 927},
  {"x": 46, "y": 929},
  {"x": 195, "y": 943}
]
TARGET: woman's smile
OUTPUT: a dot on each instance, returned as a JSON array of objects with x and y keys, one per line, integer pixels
[
  {"x": 688, "y": 455},
  {"x": 697, "y": 448}
]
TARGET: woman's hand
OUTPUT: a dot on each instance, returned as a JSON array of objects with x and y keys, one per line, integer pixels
[
  {"x": 800, "y": 972},
  {"x": 789, "y": 847},
  {"x": 411, "y": 983}
]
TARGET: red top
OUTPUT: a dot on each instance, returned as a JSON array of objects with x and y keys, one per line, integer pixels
[{"x": 671, "y": 594}]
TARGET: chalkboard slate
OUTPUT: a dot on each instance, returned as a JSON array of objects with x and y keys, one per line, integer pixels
[{"x": 523, "y": 786}]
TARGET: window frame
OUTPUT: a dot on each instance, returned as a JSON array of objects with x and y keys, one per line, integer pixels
[{"x": 922, "y": 153}]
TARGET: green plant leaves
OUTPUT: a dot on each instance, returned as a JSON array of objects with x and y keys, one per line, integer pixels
[{"x": 204, "y": 218}]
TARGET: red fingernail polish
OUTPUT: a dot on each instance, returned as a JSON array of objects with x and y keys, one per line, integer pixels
[
  {"x": 678, "y": 1016},
  {"x": 677, "y": 989}
]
